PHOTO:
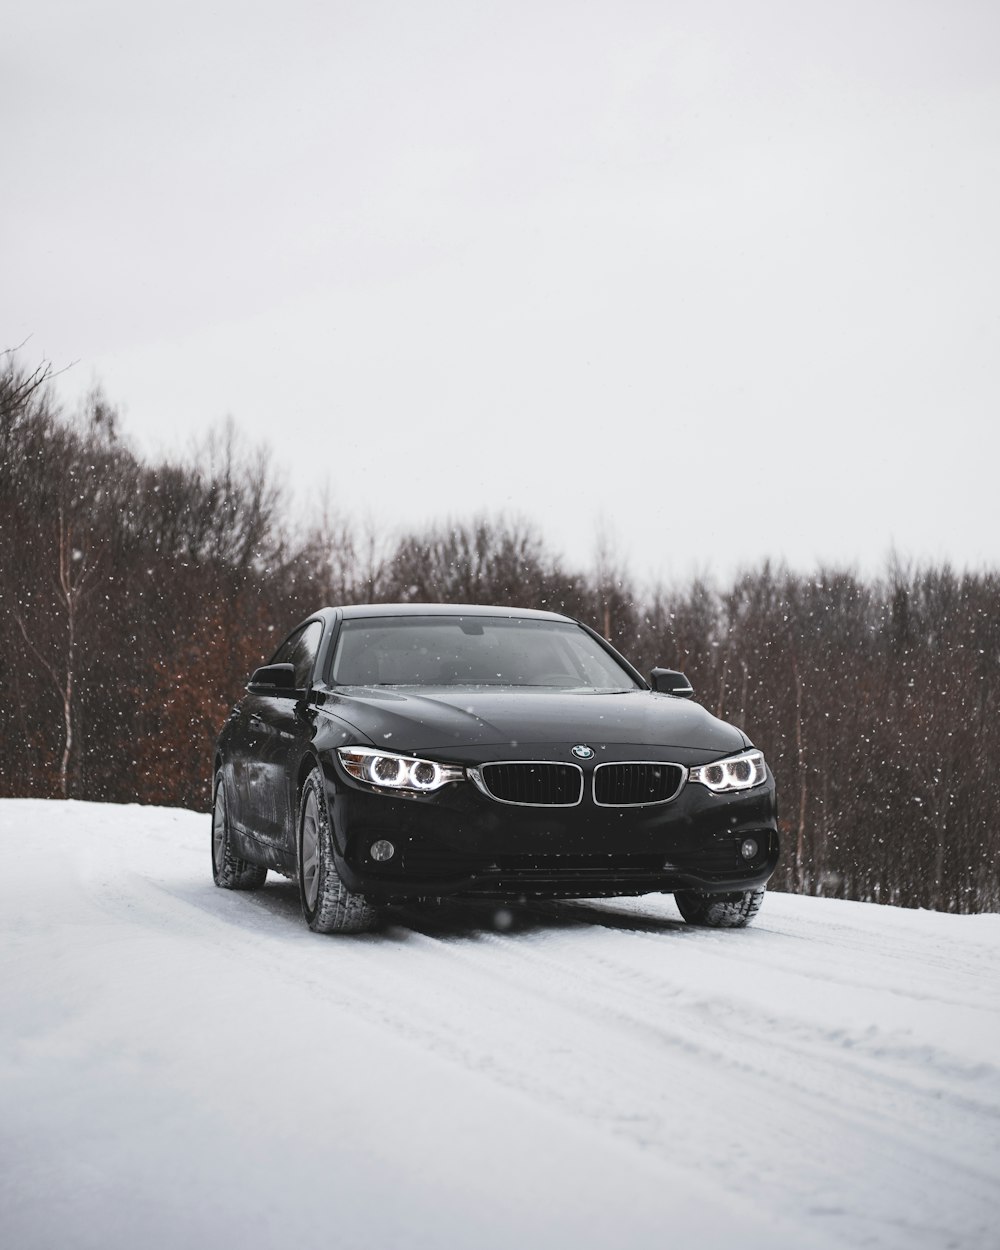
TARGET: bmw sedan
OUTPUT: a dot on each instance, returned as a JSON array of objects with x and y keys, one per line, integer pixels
[{"x": 399, "y": 752}]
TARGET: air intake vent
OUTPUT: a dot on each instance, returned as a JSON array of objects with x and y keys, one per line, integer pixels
[
  {"x": 632, "y": 785},
  {"x": 533, "y": 784}
]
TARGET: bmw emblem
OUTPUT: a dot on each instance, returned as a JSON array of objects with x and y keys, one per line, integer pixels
[{"x": 583, "y": 752}]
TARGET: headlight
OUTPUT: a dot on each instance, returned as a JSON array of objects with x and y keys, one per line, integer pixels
[
  {"x": 739, "y": 772},
  {"x": 397, "y": 772}
]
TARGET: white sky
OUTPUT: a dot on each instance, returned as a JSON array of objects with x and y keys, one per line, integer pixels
[{"x": 724, "y": 274}]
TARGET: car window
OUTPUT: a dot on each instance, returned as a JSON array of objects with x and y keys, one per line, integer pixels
[
  {"x": 300, "y": 650},
  {"x": 494, "y": 651}
]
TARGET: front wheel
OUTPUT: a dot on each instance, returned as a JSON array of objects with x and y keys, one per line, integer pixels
[
  {"x": 327, "y": 904},
  {"x": 719, "y": 911}
]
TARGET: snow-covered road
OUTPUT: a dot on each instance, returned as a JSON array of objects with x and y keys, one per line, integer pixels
[{"x": 182, "y": 1066}]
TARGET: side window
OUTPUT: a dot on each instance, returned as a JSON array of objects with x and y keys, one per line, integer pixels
[{"x": 300, "y": 649}]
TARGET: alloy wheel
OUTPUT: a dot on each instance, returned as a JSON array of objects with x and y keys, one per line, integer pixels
[
  {"x": 219, "y": 830},
  {"x": 310, "y": 851}
]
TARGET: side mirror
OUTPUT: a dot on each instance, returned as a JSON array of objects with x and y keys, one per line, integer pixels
[
  {"x": 669, "y": 681},
  {"x": 273, "y": 679}
]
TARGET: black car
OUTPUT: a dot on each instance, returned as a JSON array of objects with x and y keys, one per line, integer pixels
[{"x": 395, "y": 752}]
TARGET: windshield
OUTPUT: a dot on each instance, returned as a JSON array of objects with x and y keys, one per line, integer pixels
[{"x": 473, "y": 650}]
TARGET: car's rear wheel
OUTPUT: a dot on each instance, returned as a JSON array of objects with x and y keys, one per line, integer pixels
[
  {"x": 327, "y": 904},
  {"x": 231, "y": 871},
  {"x": 719, "y": 911}
]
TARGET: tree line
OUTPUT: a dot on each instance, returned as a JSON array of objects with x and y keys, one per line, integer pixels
[{"x": 138, "y": 596}]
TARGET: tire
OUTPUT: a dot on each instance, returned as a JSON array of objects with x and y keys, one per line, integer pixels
[
  {"x": 719, "y": 911},
  {"x": 229, "y": 871},
  {"x": 327, "y": 904}
]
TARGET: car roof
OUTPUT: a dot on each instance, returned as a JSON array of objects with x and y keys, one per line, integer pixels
[{"x": 446, "y": 609}]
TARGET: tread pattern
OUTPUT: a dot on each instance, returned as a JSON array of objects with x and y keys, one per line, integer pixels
[
  {"x": 719, "y": 911},
  {"x": 338, "y": 909},
  {"x": 235, "y": 873}
]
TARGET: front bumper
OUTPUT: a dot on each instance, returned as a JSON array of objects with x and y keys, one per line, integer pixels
[{"x": 459, "y": 842}]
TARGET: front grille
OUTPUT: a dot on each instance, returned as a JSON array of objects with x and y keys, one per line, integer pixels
[
  {"x": 631, "y": 785},
  {"x": 534, "y": 783},
  {"x": 715, "y": 856},
  {"x": 578, "y": 865}
]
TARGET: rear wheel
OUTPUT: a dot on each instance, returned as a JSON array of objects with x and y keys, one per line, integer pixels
[
  {"x": 327, "y": 904},
  {"x": 230, "y": 871},
  {"x": 719, "y": 911}
]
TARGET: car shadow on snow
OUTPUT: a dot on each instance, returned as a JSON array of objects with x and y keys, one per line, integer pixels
[
  {"x": 474, "y": 918},
  {"x": 449, "y": 918}
]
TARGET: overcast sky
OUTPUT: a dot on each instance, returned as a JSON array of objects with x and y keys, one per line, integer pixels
[{"x": 725, "y": 274}]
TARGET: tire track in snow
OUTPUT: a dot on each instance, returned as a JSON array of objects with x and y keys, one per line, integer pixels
[
  {"x": 571, "y": 1013},
  {"x": 866, "y": 1119}
]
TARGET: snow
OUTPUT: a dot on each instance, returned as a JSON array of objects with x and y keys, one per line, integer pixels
[{"x": 184, "y": 1066}]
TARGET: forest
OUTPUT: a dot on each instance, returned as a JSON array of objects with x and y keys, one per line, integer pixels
[{"x": 137, "y": 597}]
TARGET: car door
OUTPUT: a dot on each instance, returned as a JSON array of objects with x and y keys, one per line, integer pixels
[{"x": 276, "y": 730}]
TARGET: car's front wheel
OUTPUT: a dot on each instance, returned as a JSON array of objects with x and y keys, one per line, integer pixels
[
  {"x": 231, "y": 871},
  {"x": 719, "y": 911},
  {"x": 327, "y": 904}
]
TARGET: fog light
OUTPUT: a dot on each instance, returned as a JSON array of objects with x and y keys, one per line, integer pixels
[
  {"x": 383, "y": 850},
  {"x": 748, "y": 850}
]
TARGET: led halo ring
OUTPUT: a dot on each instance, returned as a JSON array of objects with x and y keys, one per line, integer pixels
[
  {"x": 411, "y": 773},
  {"x": 738, "y": 772}
]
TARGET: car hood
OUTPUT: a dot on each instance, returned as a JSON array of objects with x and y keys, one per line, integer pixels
[{"x": 446, "y": 719}]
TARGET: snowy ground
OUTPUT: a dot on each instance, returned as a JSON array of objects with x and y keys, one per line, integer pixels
[{"x": 185, "y": 1067}]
